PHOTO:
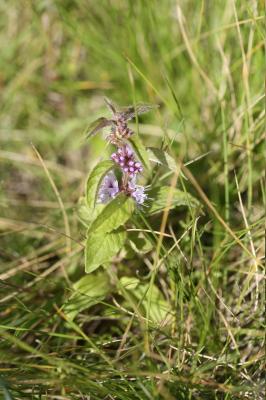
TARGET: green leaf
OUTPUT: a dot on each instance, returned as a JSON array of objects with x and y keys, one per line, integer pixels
[
  {"x": 139, "y": 243},
  {"x": 94, "y": 181},
  {"x": 159, "y": 308},
  {"x": 140, "y": 150},
  {"x": 129, "y": 282},
  {"x": 96, "y": 126},
  {"x": 85, "y": 215},
  {"x": 88, "y": 291},
  {"x": 114, "y": 214},
  {"x": 101, "y": 248},
  {"x": 159, "y": 199},
  {"x": 161, "y": 157}
]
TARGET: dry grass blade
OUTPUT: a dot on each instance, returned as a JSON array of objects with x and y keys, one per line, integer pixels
[
  {"x": 214, "y": 211},
  {"x": 59, "y": 199}
]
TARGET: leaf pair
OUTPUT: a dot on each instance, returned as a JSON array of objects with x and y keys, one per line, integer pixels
[
  {"x": 93, "y": 288},
  {"x": 88, "y": 291},
  {"x": 159, "y": 197},
  {"x": 148, "y": 297},
  {"x": 127, "y": 113},
  {"x": 105, "y": 237}
]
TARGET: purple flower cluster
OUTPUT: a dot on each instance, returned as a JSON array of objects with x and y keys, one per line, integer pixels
[
  {"x": 110, "y": 188},
  {"x": 130, "y": 167},
  {"x": 125, "y": 158}
]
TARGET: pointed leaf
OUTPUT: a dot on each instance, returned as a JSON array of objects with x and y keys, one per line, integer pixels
[
  {"x": 140, "y": 108},
  {"x": 88, "y": 291},
  {"x": 139, "y": 243},
  {"x": 114, "y": 214},
  {"x": 159, "y": 198},
  {"x": 161, "y": 157},
  {"x": 87, "y": 215},
  {"x": 96, "y": 126},
  {"x": 110, "y": 105},
  {"x": 94, "y": 180},
  {"x": 101, "y": 248},
  {"x": 151, "y": 298}
]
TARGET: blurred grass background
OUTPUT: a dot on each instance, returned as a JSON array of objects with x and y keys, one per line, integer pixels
[{"x": 203, "y": 63}]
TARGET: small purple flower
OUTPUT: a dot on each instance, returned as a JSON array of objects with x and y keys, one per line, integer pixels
[
  {"x": 137, "y": 191},
  {"x": 125, "y": 158},
  {"x": 109, "y": 188},
  {"x": 139, "y": 194}
]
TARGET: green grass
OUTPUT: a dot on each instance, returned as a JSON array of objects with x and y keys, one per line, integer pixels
[{"x": 203, "y": 63}]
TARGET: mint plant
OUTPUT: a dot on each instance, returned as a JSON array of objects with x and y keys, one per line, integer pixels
[
  {"x": 114, "y": 200},
  {"x": 113, "y": 195}
]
